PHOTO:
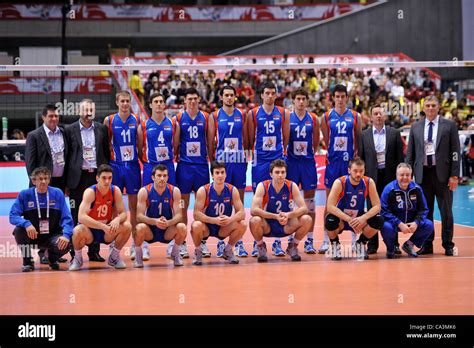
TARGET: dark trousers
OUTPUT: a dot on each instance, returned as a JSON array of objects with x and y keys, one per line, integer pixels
[
  {"x": 75, "y": 198},
  {"x": 380, "y": 184},
  {"x": 47, "y": 242},
  {"x": 432, "y": 188}
]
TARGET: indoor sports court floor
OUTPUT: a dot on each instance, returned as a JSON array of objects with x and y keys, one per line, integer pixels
[{"x": 433, "y": 284}]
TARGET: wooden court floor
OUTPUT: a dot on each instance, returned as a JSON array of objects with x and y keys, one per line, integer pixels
[{"x": 433, "y": 284}]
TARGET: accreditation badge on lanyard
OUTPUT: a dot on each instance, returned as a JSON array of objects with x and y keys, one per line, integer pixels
[{"x": 43, "y": 223}]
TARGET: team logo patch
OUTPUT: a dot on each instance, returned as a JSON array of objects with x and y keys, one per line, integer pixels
[
  {"x": 284, "y": 197},
  {"x": 31, "y": 204},
  {"x": 52, "y": 202},
  {"x": 413, "y": 197},
  {"x": 226, "y": 200},
  {"x": 347, "y": 118},
  {"x": 131, "y": 126},
  {"x": 200, "y": 123},
  {"x": 276, "y": 117},
  {"x": 308, "y": 123},
  {"x": 361, "y": 192},
  {"x": 167, "y": 128},
  {"x": 166, "y": 200}
]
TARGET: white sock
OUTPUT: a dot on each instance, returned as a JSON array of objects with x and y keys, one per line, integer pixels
[
  {"x": 115, "y": 253},
  {"x": 78, "y": 255}
]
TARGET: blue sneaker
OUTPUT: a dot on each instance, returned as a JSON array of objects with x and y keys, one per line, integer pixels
[
  {"x": 240, "y": 250},
  {"x": 276, "y": 248},
  {"x": 220, "y": 248},
  {"x": 308, "y": 246},
  {"x": 254, "y": 250}
]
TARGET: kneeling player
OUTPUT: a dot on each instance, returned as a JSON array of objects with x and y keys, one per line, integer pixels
[
  {"x": 213, "y": 214},
  {"x": 273, "y": 214},
  {"x": 99, "y": 205},
  {"x": 345, "y": 209},
  {"x": 159, "y": 216}
]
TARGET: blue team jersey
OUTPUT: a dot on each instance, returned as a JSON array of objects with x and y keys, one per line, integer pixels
[
  {"x": 342, "y": 135},
  {"x": 158, "y": 140},
  {"x": 269, "y": 133},
  {"x": 352, "y": 198},
  {"x": 229, "y": 136},
  {"x": 160, "y": 205},
  {"x": 217, "y": 205},
  {"x": 123, "y": 136},
  {"x": 192, "y": 143},
  {"x": 300, "y": 146},
  {"x": 274, "y": 202}
]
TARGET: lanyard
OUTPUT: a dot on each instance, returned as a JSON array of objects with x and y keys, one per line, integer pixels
[{"x": 38, "y": 205}]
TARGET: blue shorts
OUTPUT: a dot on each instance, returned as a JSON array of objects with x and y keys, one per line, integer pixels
[
  {"x": 236, "y": 174},
  {"x": 148, "y": 169},
  {"x": 126, "y": 175},
  {"x": 303, "y": 172},
  {"x": 214, "y": 231},
  {"x": 158, "y": 235},
  {"x": 276, "y": 230},
  {"x": 335, "y": 171},
  {"x": 190, "y": 177},
  {"x": 260, "y": 172},
  {"x": 98, "y": 236}
]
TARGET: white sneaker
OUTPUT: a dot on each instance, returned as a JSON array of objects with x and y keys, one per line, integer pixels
[
  {"x": 116, "y": 263},
  {"x": 323, "y": 248},
  {"x": 205, "y": 251},
  {"x": 169, "y": 249},
  {"x": 75, "y": 265},
  {"x": 183, "y": 250},
  {"x": 146, "y": 251},
  {"x": 132, "y": 252},
  {"x": 137, "y": 264}
]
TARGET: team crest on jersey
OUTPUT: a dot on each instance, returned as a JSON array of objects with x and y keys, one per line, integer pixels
[
  {"x": 347, "y": 119},
  {"x": 194, "y": 148},
  {"x": 276, "y": 117},
  {"x": 162, "y": 153},
  {"x": 340, "y": 143},
  {"x": 284, "y": 197},
  {"x": 269, "y": 143},
  {"x": 200, "y": 123},
  {"x": 131, "y": 125},
  {"x": 300, "y": 148},
  {"x": 231, "y": 145},
  {"x": 166, "y": 200},
  {"x": 399, "y": 198},
  {"x": 52, "y": 202},
  {"x": 413, "y": 197},
  {"x": 31, "y": 204},
  {"x": 237, "y": 119},
  {"x": 226, "y": 199},
  {"x": 167, "y": 128},
  {"x": 361, "y": 192}
]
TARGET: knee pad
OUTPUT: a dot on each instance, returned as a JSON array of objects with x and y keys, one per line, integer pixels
[
  {"x": 331, "y": 222},
  {"x": 376, "y": 222},
  {"x": 310, "y": 204}
]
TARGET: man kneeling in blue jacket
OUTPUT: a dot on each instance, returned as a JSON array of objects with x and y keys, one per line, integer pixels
[{"x": 405, "y": 210}]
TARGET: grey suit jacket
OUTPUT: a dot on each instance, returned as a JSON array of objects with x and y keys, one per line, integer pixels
[
  {"x": 393, "y": 152},
  {"x": 447, "y": 150},
  {"x": 75, "y": 156}
]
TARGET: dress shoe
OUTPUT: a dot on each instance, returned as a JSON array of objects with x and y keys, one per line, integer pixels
[
  {"x": 397, "y": 250},
  {"x": 425, "y": 250},
  {"x": 95, "y": 257},
  {"x": 449, "y": 252},
  {"x": 408, "y": 248}
]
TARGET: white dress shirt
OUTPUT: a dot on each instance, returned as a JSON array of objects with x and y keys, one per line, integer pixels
[
  {"x": 435, "y": 135},
  {"x": 379, "y": 142},
  {"x": 56, "y": 143}
]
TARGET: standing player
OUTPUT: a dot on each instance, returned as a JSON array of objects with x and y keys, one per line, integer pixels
[
  {"x": 213, "y": 214},
  {"x": 102, "y": 219},
  {"x": 160, "y": 216},
  {"x": 268, "y": 129},
  {"x": 190, "y": 142},
  {"x": 345, "y": 209},
  {"x": 125, "y": 135},
  {"x": 228, "y": 138},
  {"x": 303, "y": 144},
  {"x": 273, "y": 213},
  {"x": 341, "y": 127}
]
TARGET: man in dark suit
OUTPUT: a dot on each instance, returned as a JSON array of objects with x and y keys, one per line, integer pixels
[
  {"x": 88, "y": 144},
  {"x": 434, "y": 153},
  {"x": 381, "y": 148},
  {"x": 46, "y": 146}
]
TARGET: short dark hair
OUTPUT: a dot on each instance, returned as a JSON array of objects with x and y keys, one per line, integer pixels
[
  {"x": 191, "y": 90},
  {"x": 300, "y": 91},
  {"x": 278, "y": 163},
  {"x": 160, "y": 167},
  {"x": 269, "y": 85},
  {"x": 217, "y": 165},
  {"x": 339, "y": 88},
  {"x": 156, "y": 95},
  {"x": 40, "y": 170},
  {"x": 48, "y": 107},
  {"x": 221, "y": 92},
  {"x": 104, "y": 168},
  {"x": 376, "y": 105},
  {"x": 356, "y": 161}
]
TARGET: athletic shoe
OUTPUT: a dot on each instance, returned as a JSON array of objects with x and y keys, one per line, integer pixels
[
  {"x": 240, "y": 249},
  {"x": 308, "y": 246},
  {"x": 177, "y": 259},
  {"x": 146, "y": 251},
  {"x": 132, "y": 252},
  {"x": 292, "y": 250},
  {"x": 205, "y": 251},
  {"x": 75, "y": 265},
  {"x": 116, "y": 263},
  {"x": 361, "y": 251},
  {"x": 408, "y": 248},
  {"x": 183, "y": 250},
  {"x": 336, "y": 253},
  {"x": 197, "y": 257},
  {"x": 169, "y": 249},
  {"x": 27, "y": 268},
  {"x": 229, "y": 255},
  {"x": 276, "y": 248},
  {"x": 323, "y": 248},
  {"x": 255, "y": 249},
  {"x": 262, "y": 253},
  {"x": 220, "y": 248}
]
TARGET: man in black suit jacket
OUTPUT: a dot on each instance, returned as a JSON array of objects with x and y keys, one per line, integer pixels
[
  {"x": 381, "y": 147},
  {"x": 434, "y": 153},
  {"x": 88, "y": 144},
  {"x": 46, "y": 146}
]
